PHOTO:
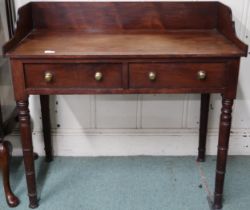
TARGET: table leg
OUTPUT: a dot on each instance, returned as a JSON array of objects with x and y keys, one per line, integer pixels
[
  {"x": 44, "y": 100},
  {"x": 205, "y": 97},
  {"x": 26, "y": 139},
  {"x": 224, "y": 133},
  {"x": 5, "y": 151}
]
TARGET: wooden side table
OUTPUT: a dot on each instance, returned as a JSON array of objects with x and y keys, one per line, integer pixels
[{"x": 125, "y": 48}]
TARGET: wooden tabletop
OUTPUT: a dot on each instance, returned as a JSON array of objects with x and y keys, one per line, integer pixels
[{"x": 177, "y": 43}]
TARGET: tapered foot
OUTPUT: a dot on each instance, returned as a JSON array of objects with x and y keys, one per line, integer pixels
[
  {"x": 33, "y": 205},
  {"x": 201, "y": 155},
  {"x": 48, "y": 159},
  {"x": 217, "y": 206},
  {"x": 217, "y": 201},
  {"x": 200, "y": 159},
  {"x": 33, "y": 202}
]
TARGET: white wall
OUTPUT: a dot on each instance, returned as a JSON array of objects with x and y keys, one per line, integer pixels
[
  {"x": 6, "y": 92},
  {"x": 144, "y": 124}
]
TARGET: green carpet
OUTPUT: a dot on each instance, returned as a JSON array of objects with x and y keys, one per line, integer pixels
[{"x": 131, "y": 183}]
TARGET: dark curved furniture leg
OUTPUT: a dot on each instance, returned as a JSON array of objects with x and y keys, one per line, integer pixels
[
  {"x": 205, "y": 97},
  {"x": 5, "y": 152}
]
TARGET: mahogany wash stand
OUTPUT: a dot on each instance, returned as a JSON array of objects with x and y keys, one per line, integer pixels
[{"x": 125, "y": 48}]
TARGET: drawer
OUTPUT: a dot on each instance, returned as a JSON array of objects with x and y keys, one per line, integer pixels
[
  {"x": 83, "y": 75},
  {"x": 177, "y": 75}
]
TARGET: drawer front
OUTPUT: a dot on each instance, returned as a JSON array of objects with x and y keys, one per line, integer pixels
[
  {"x": 177, "y": 75},
  {"x": 89, "y": 75}
]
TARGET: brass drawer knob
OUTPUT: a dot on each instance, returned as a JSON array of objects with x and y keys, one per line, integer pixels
[
  {"x": 98, "y": 76},
  {"x": 48, "y": 76},
  {"x": 152, "y": 76},
  {"x": 201, "y": 75}
]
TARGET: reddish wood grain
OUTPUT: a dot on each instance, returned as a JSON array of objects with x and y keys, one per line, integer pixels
[
  {"x": 125, "y": 41},
  {"x": 174, "y": 44},
  {"x": 177, "y": 75},
  {"x": 117, "y": 16},
  {"x": 125, "y": 17},
  {"x": 73, "y": 75}
]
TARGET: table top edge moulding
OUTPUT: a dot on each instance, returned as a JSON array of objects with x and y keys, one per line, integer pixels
[{"x": 125, "y": 48}]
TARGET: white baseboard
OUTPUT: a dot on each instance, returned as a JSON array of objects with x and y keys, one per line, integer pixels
[{"x": 116, "y": 142}]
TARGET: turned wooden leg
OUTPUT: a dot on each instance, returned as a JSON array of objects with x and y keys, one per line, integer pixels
[
  {"x": 224, "y": 133},
  {"x": 26, "y": 139},
  {"x": 44, "y": 99},
  {"x": 203, "y": 126},
  {"x": 5, "y": 151}
]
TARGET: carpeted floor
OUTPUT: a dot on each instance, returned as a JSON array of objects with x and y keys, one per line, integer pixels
[{"x": 131, "y": 183}]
